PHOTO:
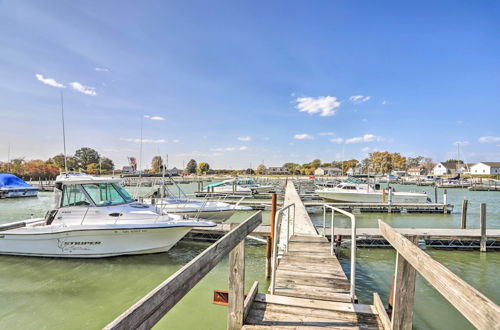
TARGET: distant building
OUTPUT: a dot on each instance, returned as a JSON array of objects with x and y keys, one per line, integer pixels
[
  {"x": 485, "y": 168},
  {"x": 174, "y": 171},
  {"x": 328, "y": 171},
  {"x": 277, "y": 171},
  {"x": 447, "y": 168},
  {"x": 416, "y": 171},
  {"x": 127, "y": 169},
  {"x": 355, "y": 171}
]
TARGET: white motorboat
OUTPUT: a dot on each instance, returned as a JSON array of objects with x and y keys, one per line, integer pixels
[
  {"x": 355, "y": 192},
  {"x": 95, "y": 217},
  {"x": 11, "y": 186},
  {"x": 239, "y": 185}
]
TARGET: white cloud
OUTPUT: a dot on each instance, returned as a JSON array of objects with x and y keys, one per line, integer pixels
[
  {"x": 302, "y": 137},
  {"x": 364, "y": 138},
  {"x": 154, "y": 117},
  {"x": 338, "y": 140},
  {"x": 326, "y": 133},
  {"x": 461, "y": 143},
  {"x": 358, "y": 99},
  {"x": 242, "y": 148},
  {"x": 176, "y": 141},
  {"x": 489, "y": 139},
  {"x": 385, "y": 102},
  {"x": 325, "y": 106},
  {"x": 245, "y": 138},
  {"x": 83, "y": 89},
  {"x": 48, "y": 81},
  {"x": 102, "y": 69},
  {"x": 143, "y": 140}
]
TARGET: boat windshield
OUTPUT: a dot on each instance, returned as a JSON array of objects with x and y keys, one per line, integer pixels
[{"x": 104, "y": 194}]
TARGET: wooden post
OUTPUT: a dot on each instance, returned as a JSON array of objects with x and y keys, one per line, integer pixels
[
  {"x": 404, "y": 291},
  {"x": 384, "y": 196},
  {"x": 445, "y": 201},
  {"x": 435, "y": 194},
  {"x": 273, "y": 216},
  {"x": 482, "y": 227},
  {"x": 463, "y": 222},
  {"x": 236, "y": 286},
  {"x": 269, "y": 253}
]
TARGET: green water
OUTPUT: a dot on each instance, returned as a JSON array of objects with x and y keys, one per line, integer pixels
[{"x": 50, "y": 293}]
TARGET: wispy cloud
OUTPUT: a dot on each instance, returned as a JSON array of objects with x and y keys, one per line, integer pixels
[
  {"x": 176, "y": 141},
  {"x": 245, "y": 138},
  {"x": 302, "y": 137},
  {"x": 102, "y": 69},
  {"x": 385, "y": 102},
  {"x": 358, "y": 99},
  {"x": 364, "y": 138},
  {"x": 326, "y": 133},
  {"x": 87, "y": 90},
  {"x": 143, "y": 140},
  {"x": 242, "y": 148},
  {"x": 49, "y": 81},
  {"x": 198, "y": 154},
  {"x": 154, "y": 117},
  {"x": 461, "y": 143},
  {"x": 489, "y": 139},
  {"x": 325, "y": 105},
  {"x": 337, "y": 140}
]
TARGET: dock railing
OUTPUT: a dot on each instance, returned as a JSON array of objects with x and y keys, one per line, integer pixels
[
  {"x": 472, "y": 304},
  {"x": 351, "y": 216},
  {"x": 151, "y": 308},
  {"x": 277, "y": 229}
]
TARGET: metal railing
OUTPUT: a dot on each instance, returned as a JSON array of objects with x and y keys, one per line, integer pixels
[
  {"x": 277, "y": 230},
  {"x": 353, "y": 242}
]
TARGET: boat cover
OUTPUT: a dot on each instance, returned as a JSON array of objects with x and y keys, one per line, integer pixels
[{"x": 11, "y": 181}]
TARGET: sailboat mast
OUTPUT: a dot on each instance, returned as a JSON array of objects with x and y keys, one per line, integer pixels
[
  {"x": 64, "y": 133},
  {"x": 140, "y": 152}
]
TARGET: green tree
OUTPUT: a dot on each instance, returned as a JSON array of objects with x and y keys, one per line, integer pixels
[
  {"x": 261, "y": 169},
  {"x": 191, "y": 166},
  {"x": 107, "y": 164},
  {"x": 85, "y": 156},
  {"x": 203, "y": 168},
  {"x": 156, "y": 164},
  {"x": 292, "y": 167},
  {"x": 58, "y": 160},
  {"x": 414, "y": 161}
]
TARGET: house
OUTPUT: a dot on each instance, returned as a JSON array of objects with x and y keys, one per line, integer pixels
[
  {"x": 444, "y": 168},
  {"x": 174, "y": 171},
  {"x": 485, "y": 168},
  {"x": 416, "y": 171},
  {"x": 127, "y": 169},
  {"x": 355, "y": 171},
  {"x": 328, "y": 171},
  {"x": 277, "y": 171}
]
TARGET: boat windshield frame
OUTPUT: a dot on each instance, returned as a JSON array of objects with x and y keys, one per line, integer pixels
[{"x": 125, "y": 198}]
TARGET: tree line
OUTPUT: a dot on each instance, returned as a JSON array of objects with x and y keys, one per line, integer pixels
[{"x": 85, "y": 159}]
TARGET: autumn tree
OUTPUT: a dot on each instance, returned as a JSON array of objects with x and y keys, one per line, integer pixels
[
  {"x": 156, "y": 164},
  {"x": 58, "y": 160},
  {"x": 384, "y": 162},
  {"x": 191, "y": 166},
  {"x": 107, "y": 164},
  {"x": 261, "y": 169},
  {"x": 348, "y": 164},
  {"x": 414, "y": 161},
  {"x": 203, "y": 168},
  {"x": 92, "y": 168}
]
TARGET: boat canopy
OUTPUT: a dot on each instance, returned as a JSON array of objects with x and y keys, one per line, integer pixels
[
  {"x": 81, "y": 178},
  {"x": 215, "y": 184},
  {"x": 8, "y": 180}
]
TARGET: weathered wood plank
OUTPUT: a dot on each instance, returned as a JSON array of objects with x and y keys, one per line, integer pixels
[
  {"x": 382, "y": 313},
  {"x": 254, "y": 290},
  {"x": 235, "y": 314},
  {"x": 315, "y": 304},
  {"x": 476, "y": 307},
  {"x": 482, "y": 227},
  {"x": 151, "y": 308},
  {"x": 463, "y": 218}
]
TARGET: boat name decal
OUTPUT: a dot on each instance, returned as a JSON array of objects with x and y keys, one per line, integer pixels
[{"x": 76, "y": 245}]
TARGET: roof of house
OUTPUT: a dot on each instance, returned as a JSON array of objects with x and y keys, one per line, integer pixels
[
  {"x": 492, "y": 164},
  {"x": 329, "y": 169},
  {"x": 451, "y": 165}
]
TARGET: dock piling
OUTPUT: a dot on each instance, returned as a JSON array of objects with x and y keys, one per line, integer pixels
[
  {"x": 482, "y": 227},
  {"x": 463, "y": 222},
  {"x": 236, "y": 285}
]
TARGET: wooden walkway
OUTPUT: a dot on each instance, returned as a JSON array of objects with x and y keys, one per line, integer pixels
[{"x": 311, "y": 290}]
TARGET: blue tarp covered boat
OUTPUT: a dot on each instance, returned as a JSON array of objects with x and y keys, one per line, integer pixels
[{"x": 12, "y": 186}]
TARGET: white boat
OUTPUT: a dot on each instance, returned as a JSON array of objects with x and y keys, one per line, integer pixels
[
  {"x": 11, "y": 186},
  {"x": 240, "y": 185},
  {"x": 355, "y": 192},
  {"x": 95, "y": 217}
]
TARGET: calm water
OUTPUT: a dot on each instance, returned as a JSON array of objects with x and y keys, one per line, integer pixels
[{"x": 45, "y": 293}]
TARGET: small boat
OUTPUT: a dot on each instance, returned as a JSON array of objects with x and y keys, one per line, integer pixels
[
  {"x": 238, "y": 185},
  {"x": 357, "y": 192},
  {"x": 95, "y": 217},
  {"x": 12, "y": 186}
]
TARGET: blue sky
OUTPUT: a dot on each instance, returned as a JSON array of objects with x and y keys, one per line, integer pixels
[{"x": 241, "y": 82}]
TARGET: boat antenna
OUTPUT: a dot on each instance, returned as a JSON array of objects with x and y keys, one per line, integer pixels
[
  {"x": 64, "y": 133},
  {"x": 140, "y": 152}
]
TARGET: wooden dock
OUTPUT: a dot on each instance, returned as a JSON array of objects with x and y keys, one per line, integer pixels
[{"x": 308, "y": 288}]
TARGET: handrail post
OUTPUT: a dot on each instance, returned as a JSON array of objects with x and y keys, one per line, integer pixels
[{"x": 236, "y": 286}]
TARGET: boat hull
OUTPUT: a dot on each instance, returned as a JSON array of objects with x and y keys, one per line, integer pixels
[
  {"x": 372, "y": 197},
  {"x": 18, "y": 192},
  {"x": 92, "y": 243}
]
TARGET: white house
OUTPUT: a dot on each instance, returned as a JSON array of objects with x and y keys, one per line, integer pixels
[
  {"x": 416, "y": 171},
  {"x": 446, "y": 168},
  {"x": 328, "y": 171},
  {"x": 485, "y": 168}
]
